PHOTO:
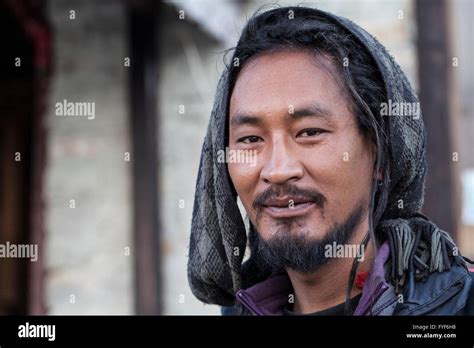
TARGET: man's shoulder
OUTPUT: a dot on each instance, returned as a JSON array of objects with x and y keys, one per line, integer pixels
[{"x": 443, "y": 293}]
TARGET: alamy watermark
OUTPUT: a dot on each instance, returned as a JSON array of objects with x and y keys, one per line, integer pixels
[
  {"x": 84, "y": 109},
  {"x": 21, "y": 251},
  {"x": 28, "y": 330},
  {"x": 400, "y": 109},
  {"x": 335, "y": 250},
  {"x": 237, "y": 156}
]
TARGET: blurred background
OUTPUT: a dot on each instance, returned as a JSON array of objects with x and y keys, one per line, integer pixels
[{"x": 108, "y": 199}]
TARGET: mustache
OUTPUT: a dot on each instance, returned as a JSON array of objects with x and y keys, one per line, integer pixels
[{"x": 288, "y": 190}]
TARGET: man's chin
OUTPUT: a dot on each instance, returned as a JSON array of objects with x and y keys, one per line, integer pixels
[{"x": 295, "y": 250}]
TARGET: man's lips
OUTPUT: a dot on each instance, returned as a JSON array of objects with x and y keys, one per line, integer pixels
[{"x": 288, "y": 206}]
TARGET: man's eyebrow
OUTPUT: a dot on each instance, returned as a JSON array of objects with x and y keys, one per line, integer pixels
[
  {"x": 309, "y": 110},
  {"x": 240, "y": 119},
  {"x": 313, "y": 109}
]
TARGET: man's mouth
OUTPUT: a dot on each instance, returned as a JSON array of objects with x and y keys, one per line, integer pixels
[{"x": 288, "y": 206}]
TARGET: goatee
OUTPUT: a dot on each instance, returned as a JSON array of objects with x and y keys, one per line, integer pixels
[{"x": 301, "y": 252}]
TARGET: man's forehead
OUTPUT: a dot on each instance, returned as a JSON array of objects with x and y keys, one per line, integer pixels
[
  {"x": 281, "y": 72},
  {"x": 284, "y": 81}
]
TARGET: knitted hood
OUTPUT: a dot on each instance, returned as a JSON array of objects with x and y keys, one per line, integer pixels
[{"x": 218, "y": 235}]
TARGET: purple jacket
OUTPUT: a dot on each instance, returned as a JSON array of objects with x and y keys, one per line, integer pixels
[{"x": 271, "y": 296}]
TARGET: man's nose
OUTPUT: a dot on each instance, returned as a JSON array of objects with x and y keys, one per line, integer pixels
[{"x": 281, "y": 165}]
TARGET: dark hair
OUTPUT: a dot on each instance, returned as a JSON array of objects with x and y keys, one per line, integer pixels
[{"x": 302, "y": 28}]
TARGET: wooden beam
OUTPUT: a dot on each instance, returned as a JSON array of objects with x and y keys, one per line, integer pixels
[
  {"x": 441, "y": 203},
  {"x": 22, "y": 151},
  {"x": 143, "y": 93}
]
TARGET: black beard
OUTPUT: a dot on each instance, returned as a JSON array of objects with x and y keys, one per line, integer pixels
[{"x": 302, "y": 253}]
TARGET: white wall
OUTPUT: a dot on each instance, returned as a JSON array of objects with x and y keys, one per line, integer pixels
[{"x": 85, "y": 245}]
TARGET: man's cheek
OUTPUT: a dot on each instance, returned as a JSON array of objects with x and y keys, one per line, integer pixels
[{"x": 242, "y": 187}]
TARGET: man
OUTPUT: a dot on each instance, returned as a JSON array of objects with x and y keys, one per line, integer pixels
[{"x": 335, "y": 187}]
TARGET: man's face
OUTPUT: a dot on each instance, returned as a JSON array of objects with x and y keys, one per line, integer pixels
[{"x": 314, "y": 168}]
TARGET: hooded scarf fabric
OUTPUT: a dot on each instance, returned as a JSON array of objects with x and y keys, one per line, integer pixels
[{"x": 218, "y": 234}]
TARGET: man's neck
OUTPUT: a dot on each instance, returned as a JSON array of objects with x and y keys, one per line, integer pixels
[{"x": 327, "y": 287}]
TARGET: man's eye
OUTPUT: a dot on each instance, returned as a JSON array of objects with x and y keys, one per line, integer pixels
[
  {"x": 249, "y": 139},
  {"x": 311, "y": 132}
]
